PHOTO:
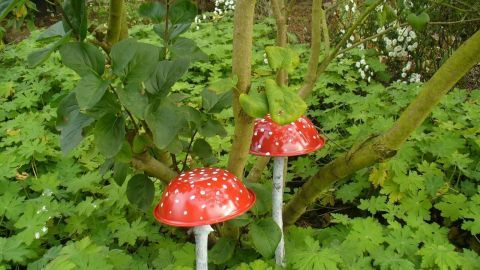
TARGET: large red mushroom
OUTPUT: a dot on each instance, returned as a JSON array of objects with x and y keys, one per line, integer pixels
[
  {"x": 271, "y": 139},
  {"x": 199, "y": 198}
]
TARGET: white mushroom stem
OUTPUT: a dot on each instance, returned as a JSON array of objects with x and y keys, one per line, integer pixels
[
  {"x": 277, "y": 203},
  {"x": 201, "y": 245}
]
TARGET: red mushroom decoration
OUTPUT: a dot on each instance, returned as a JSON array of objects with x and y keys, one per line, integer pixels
[
  {"x": 271, "y": 139},
  {"x": 199, "y": 198}
]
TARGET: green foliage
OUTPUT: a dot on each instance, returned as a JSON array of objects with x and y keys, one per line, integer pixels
[
  {"x": 60, "y": 211},
  {"x": 282, "y": 58},
  {"x": 265, "y": 235},
  {"x": 140, "y": 191},
  {"x": 418, "y": 22}
]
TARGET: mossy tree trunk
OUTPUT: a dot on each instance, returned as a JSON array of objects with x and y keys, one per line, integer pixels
[{"x": 117, "y": 23}]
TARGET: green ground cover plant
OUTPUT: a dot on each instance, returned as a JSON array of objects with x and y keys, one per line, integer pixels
[{"x": 66, "y": 197}]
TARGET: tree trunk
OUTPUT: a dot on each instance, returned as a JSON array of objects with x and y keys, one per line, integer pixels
[
  {"x": 115, "y": 21},
  {"x": 384, "y": 146},
  {"x": 242, "y": 62}
]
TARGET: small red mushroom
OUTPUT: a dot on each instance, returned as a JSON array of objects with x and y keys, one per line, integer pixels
[
  {"x": 199, "y": 198},
  {"x": 271, "y": 139}
]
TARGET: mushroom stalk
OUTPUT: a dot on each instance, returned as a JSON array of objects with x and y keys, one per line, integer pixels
[
  {"x": 277, "y": 203},
  {"x": 201, "y": 245}
]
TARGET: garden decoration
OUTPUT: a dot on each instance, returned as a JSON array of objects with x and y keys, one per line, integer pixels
[
  {"x": 271, "y": 139},
  {"x": 199, "y": 198}
]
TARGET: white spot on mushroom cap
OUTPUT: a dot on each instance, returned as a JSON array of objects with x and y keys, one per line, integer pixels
[
  {"x": 185, "y": 212},
  {"x": 192, "y": 197},
  {"x": 203, "y": 206}
]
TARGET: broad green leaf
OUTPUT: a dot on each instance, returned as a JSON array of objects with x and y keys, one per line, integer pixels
[
  {"x": 76, "y": 11},
  {"x": 90, "y": 90},
  {"x": 222, "y": 85},
  {"x": 165, "y": 75},
  {"x": 135, "y": 61},
  {"x": 173, "y": 30},
  {"x": 107, "y": 104},
  {"x": 140, "y": 143},
  {"x": 140, "y": 191},
  {"x": 222, "y": 251},
  {"x": 212, "y": 127},
  {"x": 125, "y": 154},
  {"x": 83, "y": 58},
  {"x": 153, "y": 10},
  {"x": 202, "y": 149},
  {"x": 418, "y": 22},
  {"x": 255, "y": 105},
  {"x": 55, "y": 30},
  {"x": 265, "y": 235},
  {"x": 263, "y": 202},
  {"x": 38, "y": 57},
  {"x": 70, "y": 121},
  {"x": 183, "y": 11},
  {"x": 165, "y": 121},
  {"x": 109, "y": 134},
  {"x": 280, "y": 57},
  {"x": 134, "y": 99},
  {"x": 120, "y": 171},
  {"x": 285, "y": 106},
  {"x": 121, "y": 54},
  {"x": 215, "y": 103},
  {"x": 184, "y": 48}
]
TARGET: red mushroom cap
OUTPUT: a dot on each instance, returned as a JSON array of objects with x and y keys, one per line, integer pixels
[
  {"x": 203, "y": 196},
  {"x": 297, "y": 138}
]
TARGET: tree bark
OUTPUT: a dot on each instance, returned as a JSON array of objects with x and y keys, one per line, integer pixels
[
  {"x": 115, "y": 22},
  {"x": 241, "y": 62},
  {"x": 279, "y": 12},
  {"x": 153, "y": 167},
  {"x": 384, "y": 146}
]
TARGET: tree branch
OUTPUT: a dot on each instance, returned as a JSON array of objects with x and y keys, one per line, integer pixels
[
  {"x": 153, "y": 167},
  {"x": 257, "y": 169},
  {"x": 279, "y": 12},
  {"x": 385, "y": 146},
  {"x": 323, "y": 65},
  {"x": 315, "y": 47}
]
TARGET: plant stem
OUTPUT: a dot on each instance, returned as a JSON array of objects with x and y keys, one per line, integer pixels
[
  {"x": 188, "y": 150},
  {"x": 277, "y": 203},
  {"x": 324, "y": 64},
  {"x": 354, "y": 45},
  {"x": 201, "y": 246},
  {"x": 165, "y": 36}
]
